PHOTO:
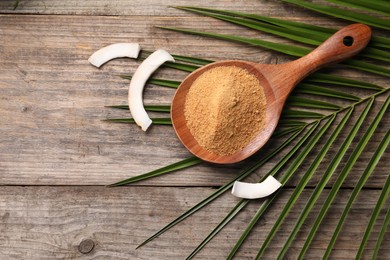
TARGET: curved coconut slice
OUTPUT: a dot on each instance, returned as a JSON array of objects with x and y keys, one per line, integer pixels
[
  {"x": 116, "y": 50},
  {"x": 137, "y": 83},
  {"x": 256, "y": 190}
]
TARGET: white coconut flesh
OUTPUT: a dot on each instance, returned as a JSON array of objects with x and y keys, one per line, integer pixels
[
  {"x": 137, "y": 84},
  {"x": 113, "y": 51},
  {"x": 256, "y": 190}
]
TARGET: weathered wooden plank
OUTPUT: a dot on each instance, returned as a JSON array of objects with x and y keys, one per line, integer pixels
[
  {"x": 139, "y": 7},
  {"x": 52, "y": 101},
  {"x": 50, "y": 222}
]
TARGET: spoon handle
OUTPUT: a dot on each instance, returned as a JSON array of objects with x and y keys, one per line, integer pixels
[{"x": 342, "y": 45}]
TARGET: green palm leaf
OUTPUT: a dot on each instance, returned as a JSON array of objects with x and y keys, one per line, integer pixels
[
  {"x": 158, "y": 82},
  {"x": 242, "y": 203},
  {"x": 381, "y": 201},
  {"x": 325, "y": 178},
  {"x": 373, "y": 6},
  {"x": 367, "y": 172},
  {"x": 376, "y": 41},
  {"x": 310, "y": 103},
  {"x": 386, "y": 223},
  {"x": 344, "y": 173},
  {"x": 282, "y": 48},
  {"x": 288, "y": 33},
  {"x": 340, "y": 13},
  {"x": 284, "y": 179},
  {"x": 155, "y": 108},
  {"x": 303, "y": 182},
  {"x": 306, "y": 88}
]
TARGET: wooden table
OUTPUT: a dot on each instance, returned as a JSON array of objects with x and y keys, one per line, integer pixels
[{"x": 57, "y": 155}]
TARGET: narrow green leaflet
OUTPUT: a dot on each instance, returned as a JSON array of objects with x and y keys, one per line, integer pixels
[
  {"x": 310, "y": 103},
  {"x": 164, "y": 170},
  {"x": 381, "y": 201},
  {"x": 289, "y": 33},
  {"x": 362, "y": 180},
  {"x": 325, "y": 178},
  {"x": 337, "y": 80},
  {"x": 372, "y": 6},
  {"x": 282, "y": 48},
  {"x": 344, "y": 173},
  {"x": 303, "y": 182},
  {"x": 340, "y": 13},
  {"x": 369, "y": 67},
  {"x": 290, "y": 123},
  {"x": 155, "y": 108},
  {"x": 156, "y": 121},
  {"x": 321, "y": 91},
  {"x": 294, "y": 114},
  {"x": 312, "y": 38},
  {"x": 158, "y": 82},
  {"x": 385, "y": 225},
  {"x": 181, "y": 66},
  {"x": 222, "y": 189},
  {"x": 192, "y": 60},
  {"x": 380, "y": 42}
]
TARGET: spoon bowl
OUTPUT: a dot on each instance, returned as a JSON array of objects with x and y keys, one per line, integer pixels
[{"x": 277, "y": 81}]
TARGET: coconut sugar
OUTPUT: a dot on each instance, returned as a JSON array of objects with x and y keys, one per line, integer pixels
[{"x": 225, "y": 109}]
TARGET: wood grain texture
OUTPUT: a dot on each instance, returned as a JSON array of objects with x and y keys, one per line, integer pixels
[
  {"x": 51, "y": 106},
  {"x": 50, "y": 222},
  {"x": 52, "y": 101}
]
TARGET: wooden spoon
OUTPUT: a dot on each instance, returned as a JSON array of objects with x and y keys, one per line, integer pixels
[{"x": 277, "y": 81}]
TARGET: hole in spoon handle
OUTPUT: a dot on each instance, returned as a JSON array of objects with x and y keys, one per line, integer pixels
[{"x": 340, "y": 46}]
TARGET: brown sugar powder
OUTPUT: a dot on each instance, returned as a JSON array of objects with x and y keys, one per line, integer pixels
[{"x": 225, "y": 109}]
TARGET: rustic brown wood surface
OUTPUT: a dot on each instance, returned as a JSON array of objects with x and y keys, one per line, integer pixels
[{"x": 56, "y": 153}]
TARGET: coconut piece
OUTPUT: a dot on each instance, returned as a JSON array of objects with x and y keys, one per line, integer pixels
[
  {"x": 116, "y": 50},
  {"x": 256, "y": 190},
  {"x": 137, "y": 83}
]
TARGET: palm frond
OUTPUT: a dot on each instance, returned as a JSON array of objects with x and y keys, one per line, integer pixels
[
  {"x": 282, "y": 48},
  {"x": 377, "y": 42},
  {"x": 154, "y": 108},
  {"x": 385, "y": 225},
  {"x": 300, "y": 123},
  {"x": 381, "y": 201},
  {"x": 325, "y": 178},
  {"x": 363, "y": 178},
  {"x": 284, "y": 179},
  {"x": 344, "y": 173},
  {"x": 340, "y": 13},
  {"x": 292, "y": 33},
  {"x": 372, "y": 6},
  {"x": 242, "y": 203},
  {"x": 303, "y": 182}
]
